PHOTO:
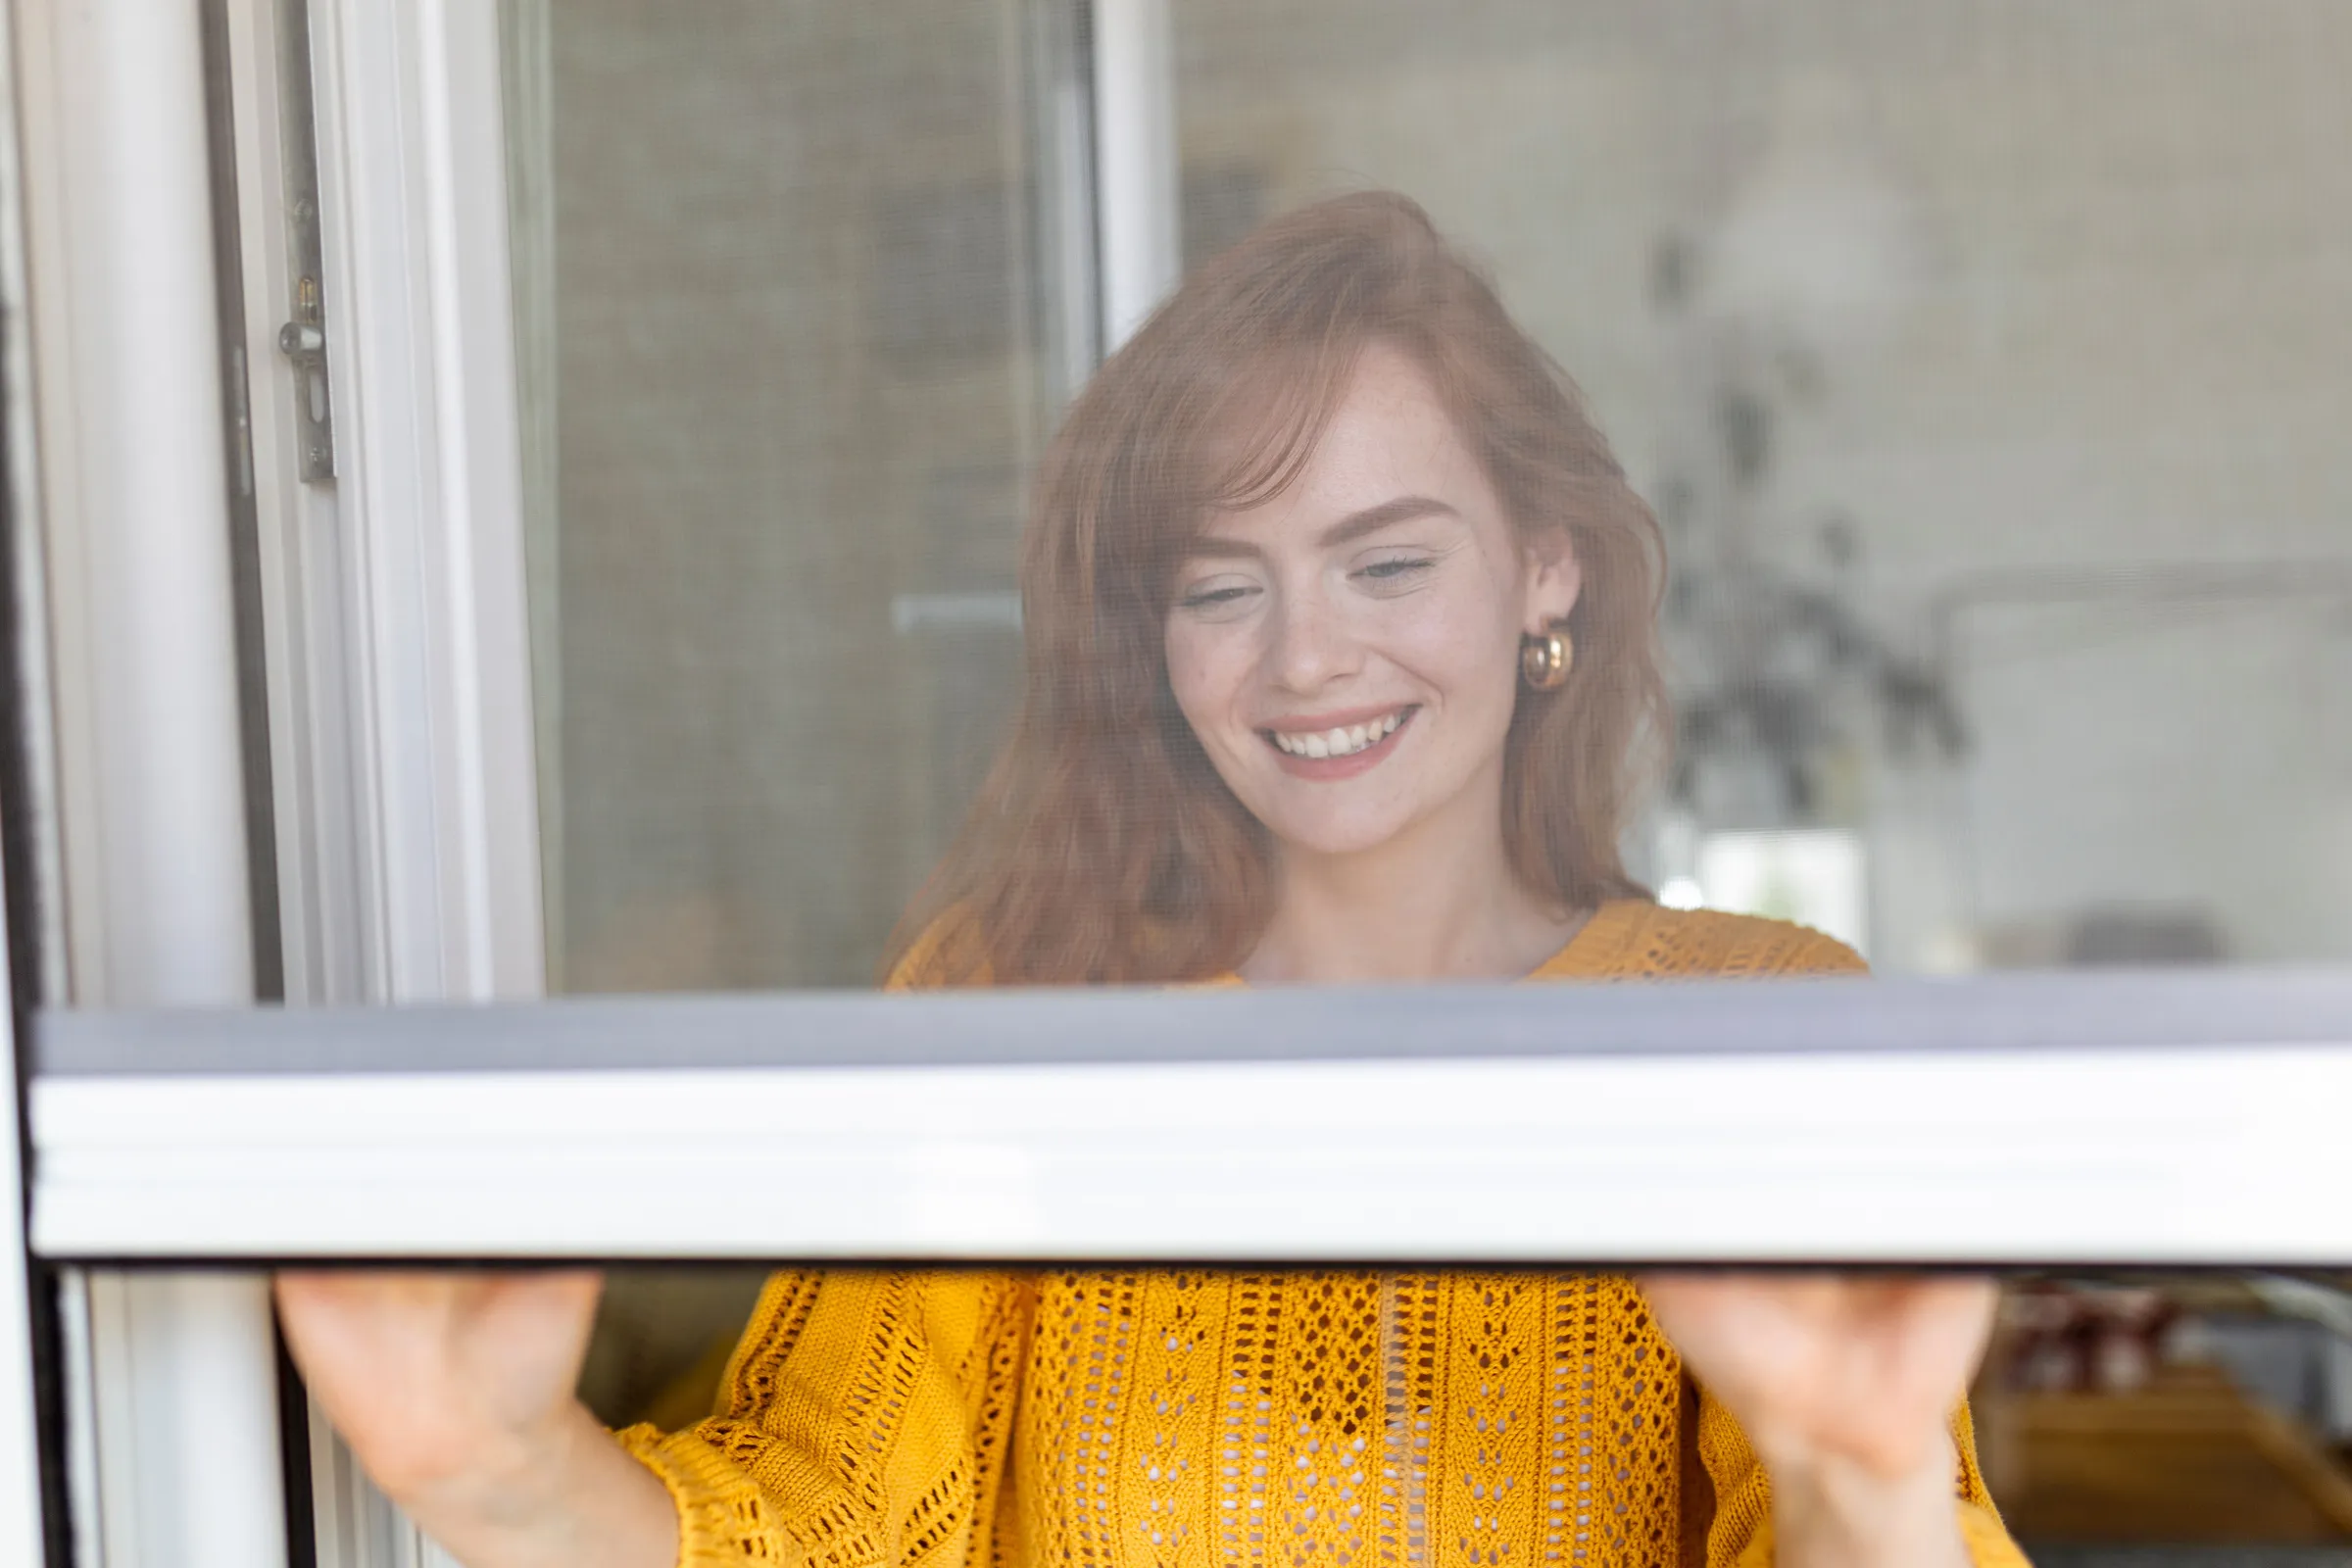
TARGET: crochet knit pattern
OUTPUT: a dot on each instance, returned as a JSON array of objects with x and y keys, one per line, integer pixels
[{"x": 1164, "y": 1418}]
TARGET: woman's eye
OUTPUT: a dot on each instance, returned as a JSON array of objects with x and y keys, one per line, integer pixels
[
  {"x": 1400, "y": 569},
  {"x": 1213, "y": 597}
]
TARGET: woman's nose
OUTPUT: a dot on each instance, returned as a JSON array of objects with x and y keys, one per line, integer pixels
[{"x": 1311, "y": 645}]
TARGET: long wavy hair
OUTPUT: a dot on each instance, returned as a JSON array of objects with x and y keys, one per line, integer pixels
[{"x": 1104, "y": 847}]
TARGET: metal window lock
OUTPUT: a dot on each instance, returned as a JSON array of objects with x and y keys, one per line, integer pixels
[
  {"x": 304, "y": 344},
  {"x": 303, "y": 338}
]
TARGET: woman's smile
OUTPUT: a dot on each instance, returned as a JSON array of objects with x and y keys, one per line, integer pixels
[{"x": 1331, "y": 746}]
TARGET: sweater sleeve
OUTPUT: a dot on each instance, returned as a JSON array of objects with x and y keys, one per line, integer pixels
[
  {"x": 1741, "y": 1534},
  {"x": 862, "y": 1420}
]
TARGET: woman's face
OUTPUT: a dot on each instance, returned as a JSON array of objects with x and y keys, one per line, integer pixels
[{"x": 1348, "y": 652}]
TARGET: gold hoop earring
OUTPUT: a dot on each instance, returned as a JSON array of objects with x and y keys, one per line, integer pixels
[{"x": 1545, "y": 661}]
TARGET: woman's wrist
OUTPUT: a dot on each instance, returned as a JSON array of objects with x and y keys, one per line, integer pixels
[
  {"x": 567, "y": 1495},
  {"x": 1833, "y": 1510}
]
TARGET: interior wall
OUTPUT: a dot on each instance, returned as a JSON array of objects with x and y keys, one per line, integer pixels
[
  {"x": 2075, "y": 296},
  {"x": 796, "y": 382},
  {"x": 2051, "y": 308}
]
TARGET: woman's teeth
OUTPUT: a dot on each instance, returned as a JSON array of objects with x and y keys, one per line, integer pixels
[{"x": 1338, "y": 742}]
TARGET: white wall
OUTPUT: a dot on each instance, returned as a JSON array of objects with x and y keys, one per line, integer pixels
[
  {"x": 2111, "y": 257},
  {"x": 2119, "y": 280}
]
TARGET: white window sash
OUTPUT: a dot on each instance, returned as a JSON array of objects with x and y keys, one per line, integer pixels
[
  {"x": 2120, "y": 1119},
  {"x": 414, "y": 205}
]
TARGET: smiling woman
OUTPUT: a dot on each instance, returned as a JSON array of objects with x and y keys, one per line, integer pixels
[
  {"x": 1341, "y": 652},
  {"x": 1329, "y": 485},
  {"x": 1354, "y": 682}
]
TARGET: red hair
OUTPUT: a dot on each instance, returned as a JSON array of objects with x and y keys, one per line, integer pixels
[{"x": 1104, "y": 847}]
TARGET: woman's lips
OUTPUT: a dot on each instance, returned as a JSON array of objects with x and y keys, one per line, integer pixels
[{"x": 1330, "y": 769}]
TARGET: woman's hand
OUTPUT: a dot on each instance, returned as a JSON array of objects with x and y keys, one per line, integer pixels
[
  {"x": 454, "y": 1388},
  {"x": 1845, "y": 1387}
]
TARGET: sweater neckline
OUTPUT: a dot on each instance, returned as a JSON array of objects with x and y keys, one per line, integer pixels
[{"x": 1583, "y": 955}]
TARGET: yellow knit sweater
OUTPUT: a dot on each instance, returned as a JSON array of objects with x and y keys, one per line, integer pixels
[{"x": 1164, "y": 1418}]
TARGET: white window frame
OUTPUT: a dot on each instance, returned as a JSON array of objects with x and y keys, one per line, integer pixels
[
  {"x": 408, "y": 843},
  {"x": 2153, "y": 1119},
  {"x": 2134, "y": 1120},
  {"x": 136, "y": 664},
  {"x": 20, "y": 1539}
]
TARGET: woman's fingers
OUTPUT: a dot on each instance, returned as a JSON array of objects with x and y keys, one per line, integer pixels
[
  {"x": 1865, "y": 1366},
  {"x": 429, "y": 1373}
]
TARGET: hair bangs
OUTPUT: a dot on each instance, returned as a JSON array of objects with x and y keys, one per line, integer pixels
[{"x": 1265, "y": 431}]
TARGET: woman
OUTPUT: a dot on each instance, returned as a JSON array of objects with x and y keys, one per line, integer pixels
[{"x": 1341, "y": 657}]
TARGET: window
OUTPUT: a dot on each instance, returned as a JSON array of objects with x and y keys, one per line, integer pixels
[{"x": 661, "y": 614}]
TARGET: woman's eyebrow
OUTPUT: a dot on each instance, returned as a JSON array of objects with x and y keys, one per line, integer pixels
[{"x": 1355, "y": 525}]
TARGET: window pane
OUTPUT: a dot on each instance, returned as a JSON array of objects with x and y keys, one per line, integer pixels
[
  {"x": 1984, "y": 362},
  {"x": 794, "y": 292},
  {"x": 789, "y": 352},
  {"x": 2118, "y": 1420}
]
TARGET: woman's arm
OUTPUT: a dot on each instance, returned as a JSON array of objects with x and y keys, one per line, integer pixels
[
  {"x": 855, "y": 1417},
  {"x": 1828, "y": 1421},
  {"x": 864, "y": 1418},
  {"x": 1837, "y": 1513},
  {"x": 1827, "y": 1425},
  {"x": 455, "y": 1391}
]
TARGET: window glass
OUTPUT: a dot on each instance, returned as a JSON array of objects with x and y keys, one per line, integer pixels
[
  {"x": 788, "y": 348},
  {"x": 2122, "y": 1420},
  {"x": 798, "y": 292},
  {"x": 1983, "y": 364}
]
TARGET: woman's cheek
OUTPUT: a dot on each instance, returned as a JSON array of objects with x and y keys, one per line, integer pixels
[
  {"x": 1448, "y": 641},
  {"x": 1192, "y": 678}
]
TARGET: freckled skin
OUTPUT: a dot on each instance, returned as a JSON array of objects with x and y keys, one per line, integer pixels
[{"x": 1425, "y": 612}]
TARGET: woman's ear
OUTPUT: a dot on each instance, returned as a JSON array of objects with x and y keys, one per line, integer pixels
[{"x": 1554, "y": 579}]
